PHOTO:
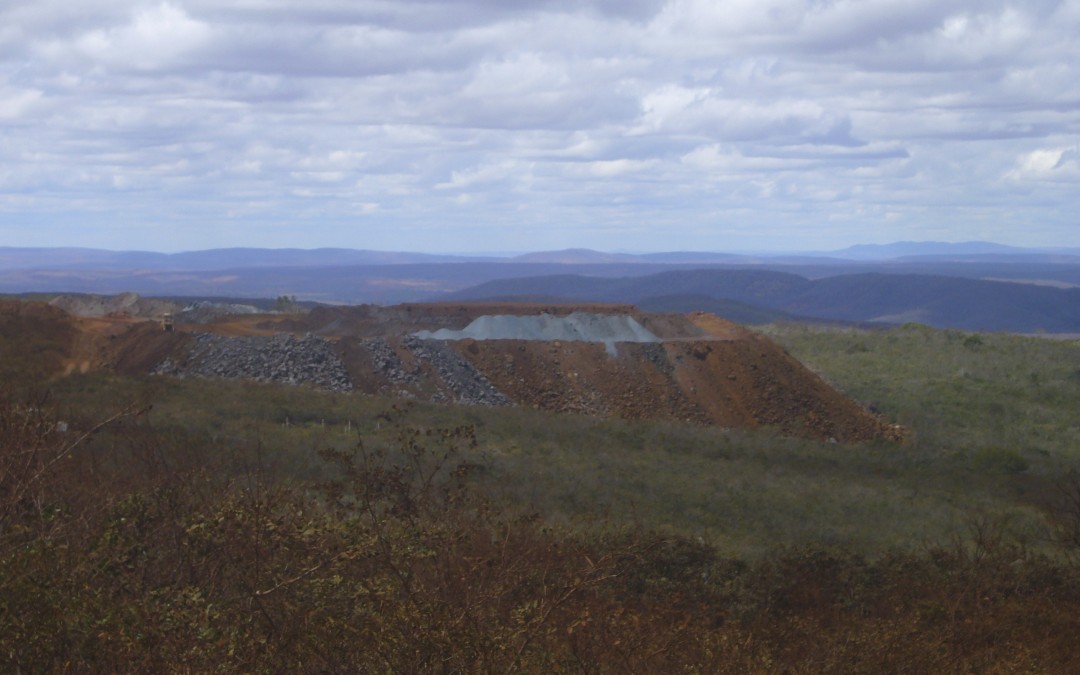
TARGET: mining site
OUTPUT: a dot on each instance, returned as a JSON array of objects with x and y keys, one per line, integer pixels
[{"x": 590, "y": 359}]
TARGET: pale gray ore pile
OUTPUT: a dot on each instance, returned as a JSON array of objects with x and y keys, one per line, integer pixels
[
  {"x": 576, "y": 327},
  {"x": 204, "y": 311},
  {"x": 281, "y": 358}
]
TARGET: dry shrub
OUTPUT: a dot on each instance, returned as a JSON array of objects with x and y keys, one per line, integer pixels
[{"x": 172, "y": 558}]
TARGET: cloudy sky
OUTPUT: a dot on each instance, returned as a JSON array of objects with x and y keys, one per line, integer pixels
[{"x": 490, "y": 125}]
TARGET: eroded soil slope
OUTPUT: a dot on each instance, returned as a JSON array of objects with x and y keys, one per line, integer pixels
[
  {"x": 36, "y": 342},
  {"x": 737, "y": 383},
  {"x": 703, "y": 369}
]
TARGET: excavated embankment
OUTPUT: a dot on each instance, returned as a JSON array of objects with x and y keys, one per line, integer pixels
[
  {"x": 736, "y": 384},
  {"x": 602, "y": 360},
  {"x": 705, "y": 370}
]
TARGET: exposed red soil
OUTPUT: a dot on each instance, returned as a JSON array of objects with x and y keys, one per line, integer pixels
[
  {"x": 706, "y": 370},
  {"x": 36, "y": 342},
  {"x": 747, "y": 383},
  {"x": 54, "y": 343},
  {"x": 717, "y": 328},
  {"x": 143, "y": 347}
]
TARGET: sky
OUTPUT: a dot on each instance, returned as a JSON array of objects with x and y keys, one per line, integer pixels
[{"x": 498, "y": 126}]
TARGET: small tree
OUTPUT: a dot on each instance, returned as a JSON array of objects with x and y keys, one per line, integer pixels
[{"x": 286, "y": 304}]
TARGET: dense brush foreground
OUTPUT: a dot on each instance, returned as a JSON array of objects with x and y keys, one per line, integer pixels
[
  {"x": 187, "y": 561},
  {"x": 157, "y": 525}
]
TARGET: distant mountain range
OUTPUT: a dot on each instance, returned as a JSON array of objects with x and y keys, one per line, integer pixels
[
  {"x": 965, "y": 251},
  {"x": 968, "y": 285},
  {"x": 753, "y": 296},
  {"x": 213, "y": 259},
  {"x": 906, "y": 249},
  {"x": 12, "y": 258}
]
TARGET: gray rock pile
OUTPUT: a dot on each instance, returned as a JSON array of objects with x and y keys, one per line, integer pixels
[
  {"x": 654, "y": 352},
  {"x": 464, "y": 380},
  {"x": 282, "y": 358},
  {"x": 387, "y": 363}
]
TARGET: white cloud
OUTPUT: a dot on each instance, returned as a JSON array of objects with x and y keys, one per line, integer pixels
[
  {"x": 156, "y": 37},
  {"x": 730, "y": 163},
  {"x": 710, "y": 113},
  {"x": 611, "y": 168},
  {"x": 499, "y": 173},
  {"x": 1052, "y": 164},
  {"x": 601, "y": 116},
  {"x": 18, "y": 103}
]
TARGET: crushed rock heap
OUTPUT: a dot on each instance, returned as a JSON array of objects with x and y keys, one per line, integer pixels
[{"x": 282, "y": 358}]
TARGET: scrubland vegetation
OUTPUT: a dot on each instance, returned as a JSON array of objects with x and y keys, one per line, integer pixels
[{"x": 198, "y": 525}]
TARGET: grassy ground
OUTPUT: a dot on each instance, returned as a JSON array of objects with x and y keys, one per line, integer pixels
[{"x": 961, "y": 392}]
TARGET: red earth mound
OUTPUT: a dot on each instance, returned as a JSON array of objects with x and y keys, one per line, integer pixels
[
  {"x": 703, "y": 369},
  {"x": 746, "y": 383}
]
